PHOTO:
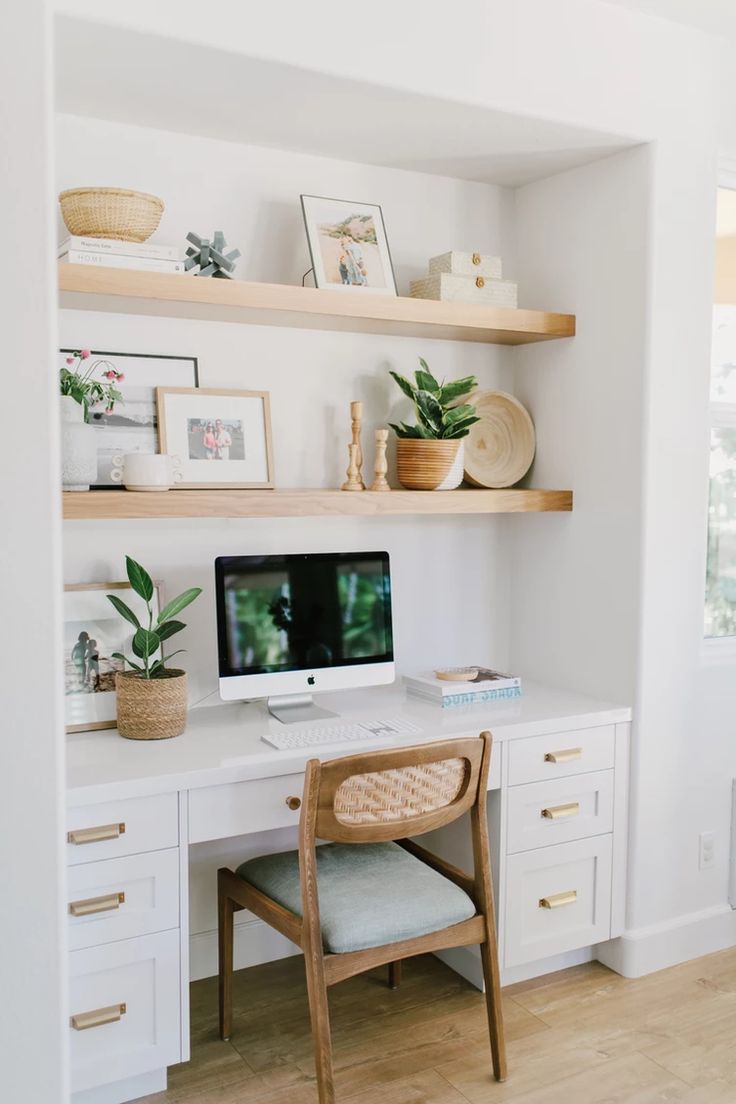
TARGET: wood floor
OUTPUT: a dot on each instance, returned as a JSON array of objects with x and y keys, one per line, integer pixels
[{"x": 583, "y": 1036}]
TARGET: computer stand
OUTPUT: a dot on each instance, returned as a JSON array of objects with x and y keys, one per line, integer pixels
[{"x": 296, "y": 708}]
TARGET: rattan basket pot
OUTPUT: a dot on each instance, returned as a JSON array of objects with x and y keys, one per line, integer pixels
[
  {"x": 111, "y": 213},
  {"x": 151, "y": 709},
  {"x": 429, "y": 465}
]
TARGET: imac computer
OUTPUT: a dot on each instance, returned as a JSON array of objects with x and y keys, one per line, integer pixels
[{"x": 294, "y": 625}]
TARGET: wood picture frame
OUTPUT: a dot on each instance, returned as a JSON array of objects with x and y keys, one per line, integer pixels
[
  {"x": 88, "y": 710},
  {"x": 222, "y": 437}
]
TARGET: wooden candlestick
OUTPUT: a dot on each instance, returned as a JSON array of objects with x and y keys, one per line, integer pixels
[
  {"x": 380, "y": 464},
  {"x": 353, "y": 482},
  {"x": 356, "y": 413}
]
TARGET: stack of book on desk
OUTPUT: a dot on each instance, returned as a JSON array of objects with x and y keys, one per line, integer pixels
[
  {"x": 110, "y": 253},
  {"x": 486, "y": 686}
]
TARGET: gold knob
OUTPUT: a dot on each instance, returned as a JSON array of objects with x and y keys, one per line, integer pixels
[
  {"x": 294, "y": 802},
  {"x": 476, "y": 258},
  {"x": 479, "y": 281}
]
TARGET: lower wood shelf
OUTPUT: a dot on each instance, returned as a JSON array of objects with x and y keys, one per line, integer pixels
[{"x": 102, "y": 505}]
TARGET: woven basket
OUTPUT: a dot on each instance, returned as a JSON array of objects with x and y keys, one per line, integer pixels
[
  {"x": 429, "y": 465},
  {"x": 111, "y": 213},
  {"x": 151, "y": 709}
]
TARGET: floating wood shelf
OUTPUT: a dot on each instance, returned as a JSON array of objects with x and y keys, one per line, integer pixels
[
  {"x": 177, "y": 295},
  {"x": 99, "y": 505}
]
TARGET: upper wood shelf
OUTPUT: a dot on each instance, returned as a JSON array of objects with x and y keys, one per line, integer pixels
[
  {"x": 180, "y": 296},
  {"x": 102, "y": 505}
]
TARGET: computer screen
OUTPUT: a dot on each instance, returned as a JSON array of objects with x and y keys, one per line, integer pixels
[{"x": 302, "y": 612}]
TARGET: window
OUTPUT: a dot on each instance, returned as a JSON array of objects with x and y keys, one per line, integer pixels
[{"x": 720, "y": 597}]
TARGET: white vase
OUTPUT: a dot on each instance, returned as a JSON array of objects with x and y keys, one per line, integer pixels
[{"x": 78, "y": 447}]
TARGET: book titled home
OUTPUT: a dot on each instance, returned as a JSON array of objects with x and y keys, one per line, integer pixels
[
  {"x": 488, "y": 686},
  {"x": 115, "y": 247}
]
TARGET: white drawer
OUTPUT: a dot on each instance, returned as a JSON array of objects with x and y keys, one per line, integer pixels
[
  {"x": 557, "y": 899},
  {"x": 121, "y": 898},
  {"x": 141, "y": 976},
  {"x": 216, "y": 812},
  {"x": 544, "y": 813},
  {"x": 122, "y": 828},
  {"x": 539, "y": 758}
]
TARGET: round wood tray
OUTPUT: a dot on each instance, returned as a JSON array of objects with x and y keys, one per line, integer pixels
[{"x": 500, "y": 447}]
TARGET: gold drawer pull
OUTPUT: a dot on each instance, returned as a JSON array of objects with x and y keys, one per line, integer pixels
[
  {"x": 294, "y": 802},
  {"x": 91, "y": 905},
  {"x": 95, "y": 835},
  {"x": 557, "y": 812},
  {"x": 84, "y": 1020},
  {"x": 476, "y": 258},
  {"x": 567, "y": 755},
  {"x": 479, "y": 282},
  {"x": 557, "y": 900}
]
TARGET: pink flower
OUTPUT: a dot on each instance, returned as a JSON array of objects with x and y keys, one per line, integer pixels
[
  {"x": 109, "y": 375},
  {"x": 84, "y": 354},
  {"x": 120, "y": 376},
  {"x": 70, "y": 360},
  {"x": 109, "y": 410}
]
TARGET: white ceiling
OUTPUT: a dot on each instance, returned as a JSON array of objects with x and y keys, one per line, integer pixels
[
  {"x": 129, "y": 77},
  {"x": 717, "y": 17}
]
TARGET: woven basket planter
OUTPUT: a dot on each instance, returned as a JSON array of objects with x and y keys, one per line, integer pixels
[
  {"x": 111, "y": 213},
  {"x": 151, "y": 709},
  {"x": 429, "y": 465}
]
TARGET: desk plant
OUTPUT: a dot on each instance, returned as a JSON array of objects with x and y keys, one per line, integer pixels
[
  {"x": 151, "y": 698},
  {"x": 430, "y": 453}
]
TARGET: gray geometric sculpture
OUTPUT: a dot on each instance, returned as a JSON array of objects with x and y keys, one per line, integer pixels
[{"x": 210, "y": 256}]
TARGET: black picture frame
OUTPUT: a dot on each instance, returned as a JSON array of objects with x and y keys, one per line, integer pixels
[{"x": 317, "y": 263}]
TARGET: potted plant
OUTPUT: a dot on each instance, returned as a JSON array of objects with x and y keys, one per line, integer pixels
[
  {"x": 82, "y": 388},
  {"x": 430, "y": 454},
  {"x": 151, "y": 698}
]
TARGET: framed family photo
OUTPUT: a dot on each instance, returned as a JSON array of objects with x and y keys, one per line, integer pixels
[
  {"x": 132, "y": 426},
  {"x": 92, "y": 632},
  {"x": 223, "y": 438},
  {"x": 348, "y": 245}
]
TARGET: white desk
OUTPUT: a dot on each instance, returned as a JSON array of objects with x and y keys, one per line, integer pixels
[{"x": 557, "y": 825}]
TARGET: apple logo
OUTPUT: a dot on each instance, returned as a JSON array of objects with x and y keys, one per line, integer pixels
[{"x": 311, "y": 680}]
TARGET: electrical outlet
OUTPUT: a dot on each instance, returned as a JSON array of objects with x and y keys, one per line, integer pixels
[{"x": 707, "y": 852}]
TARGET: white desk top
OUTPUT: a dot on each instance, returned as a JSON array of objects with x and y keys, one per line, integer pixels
[{"x": 222, "y": 742}]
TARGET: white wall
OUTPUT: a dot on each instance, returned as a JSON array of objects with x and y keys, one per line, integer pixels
[
  {"x": 441, "y": 573},
  {"x": 33, "y": 1031}
]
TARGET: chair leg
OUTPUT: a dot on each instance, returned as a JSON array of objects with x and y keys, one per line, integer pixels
[
  {"x": 394, "y": 974},
  {"x": 320, "y": 1016},
  {"x": 225, "y": 913},
  {"x": 491, "y": 977}
]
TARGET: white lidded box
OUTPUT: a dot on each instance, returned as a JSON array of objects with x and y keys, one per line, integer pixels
[
  {"x": 465, "y": 289},
  {"x": 466, "y": 264}
]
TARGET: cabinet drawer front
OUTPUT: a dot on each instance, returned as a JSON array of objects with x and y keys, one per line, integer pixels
[
  {"x": 121, "y": 898},
  {"x": 124, "y": 1009},
  {"x": 557, "y": 899},
  {"x": 237, "y": 808},
  {"x": 121, "y": 828},
  {"x": 544, "y": 813},
  {"x": 539, "y": 758}
]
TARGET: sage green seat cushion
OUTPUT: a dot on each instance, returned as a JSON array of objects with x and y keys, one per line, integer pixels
[{"x": 369, "y": 893}]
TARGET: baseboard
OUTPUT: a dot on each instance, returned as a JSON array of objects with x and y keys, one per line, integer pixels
[
  {"x": 130, "y": 1088},
  {"x": 466, "y": 962},
  {"x": 641, "y": 951},
  {"x": 253, "y": 943}
]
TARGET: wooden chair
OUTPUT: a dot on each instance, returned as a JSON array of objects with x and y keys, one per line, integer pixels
[{"x": 382, "y": 897}]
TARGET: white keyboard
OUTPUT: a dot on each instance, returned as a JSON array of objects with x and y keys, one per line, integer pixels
[{"x": 385, "y": 731}]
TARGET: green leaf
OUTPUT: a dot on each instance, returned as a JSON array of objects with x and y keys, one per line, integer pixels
[
  {"x": 124, "y": 610},
  {"x": 404, "y": 384},
  {"x": 430, "y": 412},
  {"x": 176, "y": 605},
  {"x": 130, "y": 663},
  {"x": 139, "y": 579},
  {"x": 460, "y": 430},
  {"x": 145, "y": 643},
  {"x": 425, "y": 379},
  {"x": 412, "y": 432},
  {"x": 458, "y": 414},
  {"x": 167, "y": 630},
  {"x": 449, "y": 392}
]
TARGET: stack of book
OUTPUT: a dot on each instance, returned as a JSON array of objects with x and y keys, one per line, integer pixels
[
  {"x": 487, "y": 686},
  {"x": 110, "y": 253}
]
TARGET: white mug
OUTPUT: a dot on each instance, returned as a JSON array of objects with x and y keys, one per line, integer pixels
[{"x": 144, "y": 471}]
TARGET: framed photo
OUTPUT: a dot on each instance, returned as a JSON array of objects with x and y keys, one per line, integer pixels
[
  {"x": 132, "y": 426},
  {"x": 92, "y": 632},
  {"x": 348, "y": 246},
  {"x": 223, "y": 438}
]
